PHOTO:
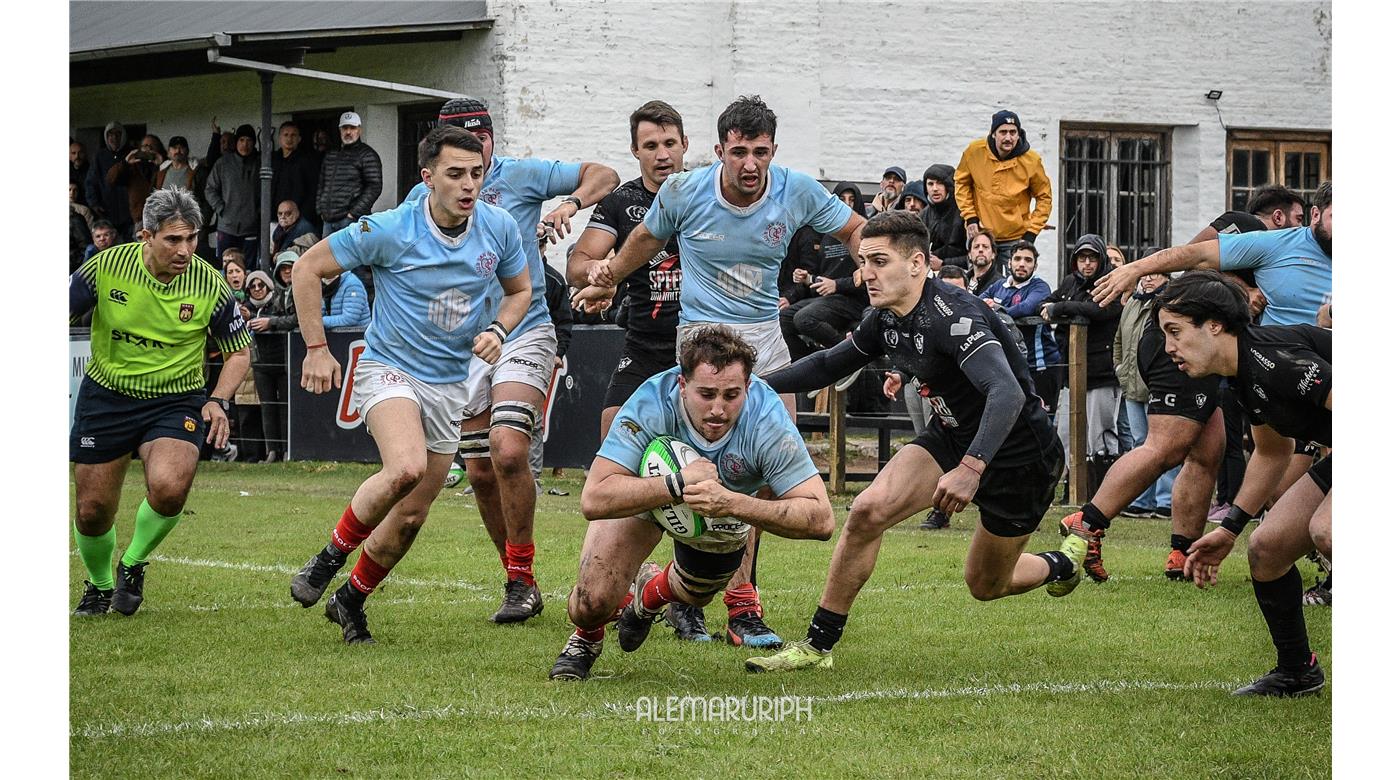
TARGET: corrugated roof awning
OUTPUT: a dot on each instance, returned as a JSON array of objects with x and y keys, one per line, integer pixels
[{"x": 111, "y": 42}]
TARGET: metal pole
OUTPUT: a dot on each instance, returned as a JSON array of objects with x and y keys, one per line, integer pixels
[{"x": 265, "y": 204}]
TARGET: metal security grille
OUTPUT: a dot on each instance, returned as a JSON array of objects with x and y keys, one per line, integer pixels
[{"x": 1115, "y": 183}]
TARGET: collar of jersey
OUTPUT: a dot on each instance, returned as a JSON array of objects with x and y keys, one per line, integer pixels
[
  {"x": 442, "y": 237},
  {"x": 702, "y": 442},
  {"x": 742, "y": 211}
]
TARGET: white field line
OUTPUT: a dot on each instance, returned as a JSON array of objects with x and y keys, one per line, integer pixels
[{"x": 409, "y": 713}]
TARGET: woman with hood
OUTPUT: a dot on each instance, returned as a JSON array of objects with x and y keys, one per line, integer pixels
[
  {"x": 946, "y": 232},
  {"x": 275, "y": 317},
  {"x": 1074, "y": 298}
]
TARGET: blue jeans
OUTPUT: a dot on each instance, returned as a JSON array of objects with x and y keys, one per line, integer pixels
[
  {"x": 1158, "y": 494},
  {"x": 333, "y": 225}
]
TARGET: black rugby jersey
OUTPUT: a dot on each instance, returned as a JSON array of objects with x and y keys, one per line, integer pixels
[
  {"x": 946, "y": 327},
  {"x": 653, "y": 291},
  {"x": 1284, "y": 377}
]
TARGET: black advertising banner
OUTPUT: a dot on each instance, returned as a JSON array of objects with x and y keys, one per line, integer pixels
[{"x": 327, "y": 427}]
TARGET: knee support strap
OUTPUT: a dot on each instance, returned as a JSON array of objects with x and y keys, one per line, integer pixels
[
  {"x": 475, "y": 444},
  {"x": 516, "y": 415}
]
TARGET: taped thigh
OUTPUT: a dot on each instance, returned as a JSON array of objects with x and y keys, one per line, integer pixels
[
  {"x": 475, "y": 444},
  {"x": 515, "y": 415}
]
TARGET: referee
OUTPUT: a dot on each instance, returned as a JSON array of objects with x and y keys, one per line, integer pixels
[{"x": 153, "y": 302}]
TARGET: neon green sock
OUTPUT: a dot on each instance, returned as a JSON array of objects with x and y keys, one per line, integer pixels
[
  {"x": 151, "y": 529},
  {"x": 96, "y": 552}
]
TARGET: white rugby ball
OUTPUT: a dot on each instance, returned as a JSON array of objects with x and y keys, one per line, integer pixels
[{"x": 668, "y": 455}]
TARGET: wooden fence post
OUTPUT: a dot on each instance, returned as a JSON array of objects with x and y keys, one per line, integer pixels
[
  {"x": 1078, "y": 394},
  {"x": 836, "y": 439}
]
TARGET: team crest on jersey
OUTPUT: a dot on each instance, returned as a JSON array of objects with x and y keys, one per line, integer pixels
[
  {"x": 733, "y": 464},
  {"x": 486, "y": 263},
  {"x": 1200, "y": 400},
  {"x": 919, "y": 343},
  {"x": 775, "y": 233},
  {"x": 637, "y": 213},
  {"x": 186, "y": 312},
  {"x": 364, "y": 225},
  {"x": 632, "y": 428},
  {"x": 492, "y": 196},
  {"x": 891, "y": 337}
]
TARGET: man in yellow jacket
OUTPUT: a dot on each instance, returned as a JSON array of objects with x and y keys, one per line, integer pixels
[{"x": 996, "y": 180}]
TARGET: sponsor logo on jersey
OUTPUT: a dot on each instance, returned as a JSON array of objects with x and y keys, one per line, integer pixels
[
  {"x": 960, "y": 328},
  {"x": 186, "y": 312},
  {"x": 775, "y": 233},
  {"x": 486, "y": 262},
  {"x": 970, "y": 340},
  {"x": 740, "y": 280},
  {"x": 137, "y": 341},
  {"x": 623, "y": 363},
  {"x": 88, "y": 442},
  {"x": 449, "y": 310},
  {"x": 1263, "y": 361},
  {"x": 943, "y": 412},
  {"x": 703, "y": 236},
  {"x": 1310, "y": 378},
  {"x": 190, "y": 425},
  {"x": 1259, "y": 391},
  {"x": 520, "y": 361},
  {"x": 944, "y": 309},
  {"x": 636, "y": 213},
  {"x": 117, "y": 296}
]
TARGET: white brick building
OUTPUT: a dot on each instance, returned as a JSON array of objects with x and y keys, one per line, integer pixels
[{"x": 856, "y": 86}]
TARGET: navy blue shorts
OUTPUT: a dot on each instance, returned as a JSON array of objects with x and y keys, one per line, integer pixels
[{"x": 108, "y": 424}]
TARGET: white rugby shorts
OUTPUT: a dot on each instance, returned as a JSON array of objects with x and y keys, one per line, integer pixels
[
  {"x": 765, "y": 337},
  {"x": 440, "y": 406},
  {"x": 527, "y": 359}
]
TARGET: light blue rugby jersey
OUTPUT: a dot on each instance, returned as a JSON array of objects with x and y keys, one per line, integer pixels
[
  {"x": 732, "y": 255},
  {"x": 1289, "y": 267},
  {"x": 762, "y": 448},
  {"x": 432, "y": 292},
  {"x": 521, "y": 186}
]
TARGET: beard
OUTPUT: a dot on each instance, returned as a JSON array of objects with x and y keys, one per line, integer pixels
[{"x": 1324, "y": 238}]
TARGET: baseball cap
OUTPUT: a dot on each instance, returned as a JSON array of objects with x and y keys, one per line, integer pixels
[
  {"x": 349, "y": 118},
  {"x": 897, "y": 171}
]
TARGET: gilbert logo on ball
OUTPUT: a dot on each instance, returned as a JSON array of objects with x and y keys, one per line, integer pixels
[{"x": 668, "y": 455}]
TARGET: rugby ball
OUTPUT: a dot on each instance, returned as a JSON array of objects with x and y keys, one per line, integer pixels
[{"x": 668, "y": 455}]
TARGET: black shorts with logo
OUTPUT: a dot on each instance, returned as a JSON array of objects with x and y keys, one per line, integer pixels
[
  {"x": 1172, "y": 391},
  {"x": 108, "y": 425},
  {"x": 1012, "y": 499},
  {"x": 642, "y": 358}
]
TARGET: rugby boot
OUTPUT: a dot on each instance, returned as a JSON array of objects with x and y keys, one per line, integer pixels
[
  {"x": 1287, "y": 684},
  {"x": 1176, "y": 565},
  {"x": 791, "y": 658},
  {"x": 576, "y": 660},
  {"x": 131, "y": 581},
  {"x": 635, "y": 622},
  {"x": 521, "y": 602},
  {"x": 689, "y": 622},
  {"x": 354, "y": 626},
  {"x": 1074, "y": 548},
  {"x": 95, "y": 601},
  {"x": 1319, "y": 595},
  {"x": 934, "y": 521},
  {"x": 309, "y": 584},
  {"x": 747, "y": 629},
  {"x": 1093, "y": 558}
]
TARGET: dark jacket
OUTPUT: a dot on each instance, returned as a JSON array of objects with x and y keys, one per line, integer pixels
[
  {"x": 556, "y": 296},
  {"x": 1074, "y": 298},
  {"x": 946, "y": 233},
  {"x": 295, "y": 178},
  {"x": 283, "y": 238},
  {"x": 281, "y": 311},
  {"x": 138, "y": 179},
  {"x": 351, "y": 180},
  {"x": 232, "y": 192},
  {"x": 109, "y": 200},
  {"x": 804, "y": 251}
]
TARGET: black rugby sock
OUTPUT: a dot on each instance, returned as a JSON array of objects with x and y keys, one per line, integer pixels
[
  {"x": 1061, "y": 567},
  {"x": 1093, "y": 517},
  {"x": 825, "y": 629},
  {"x": 1281, "y": 601}
]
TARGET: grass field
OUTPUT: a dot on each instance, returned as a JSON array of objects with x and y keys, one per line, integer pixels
[{"x": 221, "y": 675}]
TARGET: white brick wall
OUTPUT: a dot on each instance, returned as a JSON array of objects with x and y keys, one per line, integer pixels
[{"x": 856, "y": 86}]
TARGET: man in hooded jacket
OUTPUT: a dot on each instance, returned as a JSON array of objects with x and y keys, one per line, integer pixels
[
  {"x": 996, "y": 180},
  {"x": 946, "y": 233},
  {"x": 1075, "y": 298},
  {"x": 109, "y": 199}
]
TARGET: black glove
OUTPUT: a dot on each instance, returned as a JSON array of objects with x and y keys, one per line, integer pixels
[{"x": 1028, "y": 238}]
